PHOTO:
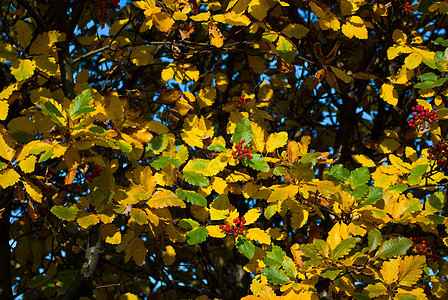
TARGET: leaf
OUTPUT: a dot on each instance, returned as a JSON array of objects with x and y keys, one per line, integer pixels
[
  {"x": 169, "y": 255},
  {"x": 139, "y": 216},
  {"x": 257, "y": 163},
  {"x": 276, "y": 140},
  {"x": 161, "y": 162},
  {"x": 32, "y": 190},
  {"x": 286, "y": 49},
  {"x": 6, "y": 147},
  {"x": 66, "y": 213},
  {"x": 88, "y": 220},
  {"x": 331, "y": 274},
  {"x": 389, "y": 94},
  {"x": 245, "y": 247},
  {"x": 364, "y": 160},
  {"x": 217, "y": 147},
  {"x": 125, "y": 146},
  {"x": 138, "y": 251},
  {"x": 375, "y": 290},
  {"x": 374, "y": 239},
  {"x": 243, "y": 131},
  {"x": 4, "y": 107},
  {"x": 197, "y": 235},
  {"x": 345, "y": 247},
  {"x": 256, "y": 234},
  {"x": 338, "y": 173},
  {"x": 51, "y": 110},
  {"x": 274, "y": 257},
  {"x": 195, "y": 179},
  {"x": 295, "y": 30},
  {"x": 188, "y": 224},
  {"x": 355, "y": 28},
  {"x": 394, "y": 247},
  {"x": 252, "y": 215},
  {"x": 389, "y": 271},
  {"x": 22, "y": 69},
  {"x": 375, "y": 194},
  {"x": 8, "y": 177},
  {"x": 416, "y": 174},
  {"x": 275, "y": 276},
  {"x": 359, "y": 177},
  {"x": 79, "y": 105},
  {"x": 410, "y": 270},
  {"x": 413, "y": 60},
  {"x": 192, "y": 197},
  {"x": 27, "y": 165}
]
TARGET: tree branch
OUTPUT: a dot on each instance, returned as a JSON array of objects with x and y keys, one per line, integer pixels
[{"x": 5, "y": 251}]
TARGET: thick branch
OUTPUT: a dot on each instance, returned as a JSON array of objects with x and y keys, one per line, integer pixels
[{"x": 5, "y": 251}]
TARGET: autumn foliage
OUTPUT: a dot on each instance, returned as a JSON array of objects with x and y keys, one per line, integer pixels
[{"x": 237, "y": 149}]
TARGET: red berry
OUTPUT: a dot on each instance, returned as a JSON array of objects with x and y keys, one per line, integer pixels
[{"x": 242, "y": 141}]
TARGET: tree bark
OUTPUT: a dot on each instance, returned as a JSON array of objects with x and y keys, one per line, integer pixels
[{"x": 5, "y": 249}]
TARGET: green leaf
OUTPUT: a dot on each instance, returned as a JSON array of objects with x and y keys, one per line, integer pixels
[
  {"x": 338, "y": 173},
  {"x": 197, "y": 235},
  {"x": 2, "y": 166},
  {"x": 331, "y": 274},
  {"x": 309, "y": 250},
  {"x": 428, "y": 77},
  {"x": 359, "y": 177},
  {"x": 98, "y": 129},
  {"x": 243, "y": 131},
  {"x": 188, "y": 224},
  {"x": 125, "y": 146},
  {"x": 192, "y": 197},
  {"x": 157, "y": 144},
  {"x": 394, "y": 247},
  {"x": 399, "y": 188},
  {"x": 310, "y": 158},
  {"x": 79, "y": 105},
  {"x": 280, "y": 171},
  {"x": 67, "y": 213},
  {"x": 160, "y": 162},
  {"x": 345, "y": 247},
  {"x": 274, "y": 257},
  {"x": 375, "y": 194},
  {"x": 286, "y": 49},
  {"x": 257, "y": 163},
  {"x": 217, "y": 147},
  {"x": 439, "y": 40},
  {"x": 195, "y": 179},
  {"x": 45, "y": 156},
  {"x": 436, "y": 202},
  {"x": 416, "y": 174},
  {"x": 275, "y": 276},
  {"x": 360, "y": 191},
  {"x": 375, "y": 290},
  {"x": 374, "y": 239},
  {"x": 50, "y": 110},
  {"x": 289, "y": 266},
  {"x": 406, "y": 296},
  {"x": 245, "y": 247}
]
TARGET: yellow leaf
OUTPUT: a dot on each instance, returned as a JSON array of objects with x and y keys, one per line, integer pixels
[
  {"x": 400, "y": 164},
  {"x": 180, "y": 16},
  {"x": 196, "y": 129},
  {"x": 33, "y": 191},
  {"x": 295, "y": 30},
  {"x": 340, "y": 74},
  {"x": 215, "y": 35},
  {"x": 259, "y": 8},
  {"x": 259, "y": 136},
  {"x": 6, "y": 146},
  {"x": 215, "y": 231},
  {"x": 110, "y": 233},
  {"x": 164, "y": 198},
  {"x": 168, "y": 72},
  {"x": 222, "y": 81},
  {"x": 7, "y": 52},
  {"x": 130, "y": 296},
  {"x": 206, "y": 96},
  {"x": 388, "y": 145},
  {"x": 363, "y": 160},
  {"x": 88, "y": 220},
  {"x": 27, "y": 165},
  {"x": 355, "y": 28},
  {"x": 219, "y": 185},
  {"x": 413, "y": 60},
  {"x": 217, "y": 164},
  {"x": 24, "y": 33},
  {"x": 276, "y": 140},
  {"x": 252, "y": 215},
  {"x": 334, "y": 236},
  {"x": 256, "y": 234},
  {"x": 411, "y": 269},
  {"x": 163, "y": 21},
  {"x": 389, "y": 94},
  {"x": 139, "y": 252},
  {"x": 304, "y": 143},
  {"x": 220, "y": 208},
  {"x": 389, "y": 271},
  {"x": 169, "y": 255},
  {"x": 202, "y": 17},
  {"x": 22, "y": 68},
  {"x": 46, "y": 41},
  {"x": 142, "y": 55},
  {"x": 399, "y": 37},
  {"x": 298, "y": 220},
  {"x": 8, "y": 177},
  {"x": 232, "y": 18}
]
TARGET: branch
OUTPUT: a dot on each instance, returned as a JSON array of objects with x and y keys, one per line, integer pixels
[
  {"x": 5, "y": 251},
  {"x": 35, "y": 14},
  {"x": 84, "y": 278}
]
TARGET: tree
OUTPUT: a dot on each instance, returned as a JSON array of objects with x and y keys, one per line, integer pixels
[{"x": 223, "y": 149}]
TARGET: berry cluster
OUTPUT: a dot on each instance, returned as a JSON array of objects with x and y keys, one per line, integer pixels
[
  {"x": 408, "y": 8},
  {"x": 236, "y": 229},
  {"x": 421, "y": 115},
  {"x": 422, "y": 247},
  {"x": 240, "y": 152},
  {"x": 95, "y": 173},
  {"x": 243, "y": 100},
  {"x": 439, "y": 152},
  {"x": 108, "y": 4}
]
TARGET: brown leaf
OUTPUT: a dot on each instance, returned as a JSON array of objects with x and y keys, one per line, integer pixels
[
  {"x": 318, "y": 77},
  {"x": 283, "y": 67},
  {"x": 292, "y": 149},
  {"x": 186, "y": 30},
  {"x": 71, "y": 174},
  {"x": 1, "y": 212},
  {"x": 331, "y": 80},
  {"x": 332, "y": 55},
  {"x": 317, "y": 47}
]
